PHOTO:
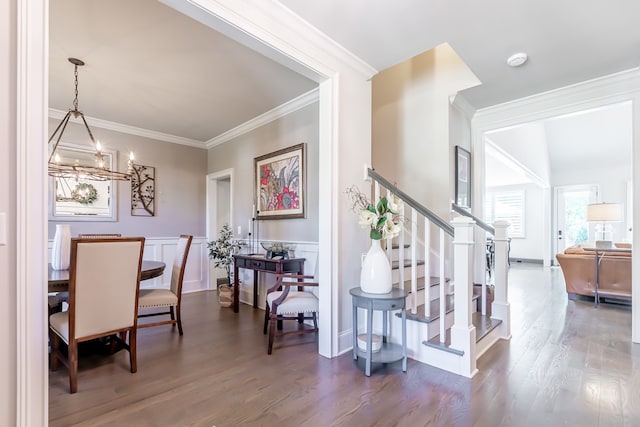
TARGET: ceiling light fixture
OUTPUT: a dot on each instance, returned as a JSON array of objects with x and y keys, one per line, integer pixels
[
  {"x": 517, "y": 59},
  {"x": 99, "y": 172}
]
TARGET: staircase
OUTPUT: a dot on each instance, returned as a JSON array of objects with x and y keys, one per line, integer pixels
[{"x": 447, "y": 324}]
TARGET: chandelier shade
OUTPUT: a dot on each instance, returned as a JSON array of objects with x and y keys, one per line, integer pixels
[{"x": 97, "y": 172}]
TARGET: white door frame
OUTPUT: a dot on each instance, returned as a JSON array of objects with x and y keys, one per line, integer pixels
[{"x": 212, "y": 226}]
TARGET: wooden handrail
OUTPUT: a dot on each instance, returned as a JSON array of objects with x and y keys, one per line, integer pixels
[
  {"x": 480, "y": 223},
  {"x": 442, "y": 224}
]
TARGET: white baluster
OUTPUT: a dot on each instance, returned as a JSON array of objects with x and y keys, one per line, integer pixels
[
  {"x": 427, "y": 267},
  {"x": 414, "y": 261},
  {"x": 443, "y": 294}
]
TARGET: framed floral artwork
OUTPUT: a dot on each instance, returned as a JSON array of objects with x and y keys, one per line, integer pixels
[{"x": 280, "y": 184}]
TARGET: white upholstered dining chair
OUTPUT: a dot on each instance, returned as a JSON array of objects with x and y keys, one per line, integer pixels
[
  {"x": 104, "y": 278},
  {"x": 290, "y": 298},
  {"x": 152, "y": 299}
]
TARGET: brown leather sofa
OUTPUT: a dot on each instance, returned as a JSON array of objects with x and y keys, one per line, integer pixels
[{"x": 578, "y": 267}]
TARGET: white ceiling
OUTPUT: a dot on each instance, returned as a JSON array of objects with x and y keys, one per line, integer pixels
[
  {"x": 536, "y": 152},
  {"x": 567, "y": 41},
  {"x": 150, "y": 67}
]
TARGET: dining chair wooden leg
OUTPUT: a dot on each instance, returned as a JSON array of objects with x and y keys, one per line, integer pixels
[
  {"x": 73, "y": 366},
  {"x": 266, "y": 319},
  {"x": 315, "y": 322},
  {"x": 133, "y": 360},
  {"x": 179, "y": 317},
  {"x": 54, "y": 339},
  {"x": 171, "y": 313},
  {"x": 272, "y": 333}
]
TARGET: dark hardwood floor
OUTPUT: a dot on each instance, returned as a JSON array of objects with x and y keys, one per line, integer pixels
[{"x": 568, "y": 363}]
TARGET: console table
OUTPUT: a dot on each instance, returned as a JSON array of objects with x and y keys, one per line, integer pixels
[
  {"x": 258, "y": 263},
  {"x": 394, "y": 300}
]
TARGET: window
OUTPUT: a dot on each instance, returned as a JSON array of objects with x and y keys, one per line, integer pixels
[{"x": 508, "y": 206}]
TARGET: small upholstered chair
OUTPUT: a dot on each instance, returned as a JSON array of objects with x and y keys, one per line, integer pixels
[
  {"x": 168, "y": 298},
  {"x": 104, "y": 278},
  {"x": 285, "y": 303}
]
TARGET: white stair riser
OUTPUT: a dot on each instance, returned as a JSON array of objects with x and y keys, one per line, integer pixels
[
  {"x": 395, "y": 273},
  {"x": 395, "y": 254}
]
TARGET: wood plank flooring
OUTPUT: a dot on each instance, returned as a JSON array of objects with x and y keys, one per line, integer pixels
[{"x": 568, "y": 363}]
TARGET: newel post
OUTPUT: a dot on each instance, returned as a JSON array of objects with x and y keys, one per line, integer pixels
[
  {"x": 463, "y": 333},
  {"x": 500, "y": 308}
]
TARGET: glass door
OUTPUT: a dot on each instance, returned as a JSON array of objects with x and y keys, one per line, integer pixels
[{"x": 571, "y": 215}]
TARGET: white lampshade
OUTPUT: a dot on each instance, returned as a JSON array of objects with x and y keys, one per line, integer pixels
[{"x": 604, "y": 212}]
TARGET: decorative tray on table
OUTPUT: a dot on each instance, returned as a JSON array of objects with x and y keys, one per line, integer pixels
[{"x": 278, "y": 249}]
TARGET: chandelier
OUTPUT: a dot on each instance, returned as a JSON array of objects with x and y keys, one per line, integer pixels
[{"x": 97, "y": 172}]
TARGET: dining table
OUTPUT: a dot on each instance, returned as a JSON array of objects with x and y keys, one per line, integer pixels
[{"x": 58, "y": 280}]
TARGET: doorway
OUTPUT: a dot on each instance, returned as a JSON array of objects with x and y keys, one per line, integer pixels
[
  {"x": 219, "y": 212},
  {"x": 571, "y": 227}
]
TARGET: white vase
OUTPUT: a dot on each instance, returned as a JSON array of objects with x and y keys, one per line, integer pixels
[
  {"x": 61, "y": 252},
  {"x": 375, "y": 277}
]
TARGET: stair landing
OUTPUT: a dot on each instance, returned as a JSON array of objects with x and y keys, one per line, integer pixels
[{"x": 483, "y": 324}]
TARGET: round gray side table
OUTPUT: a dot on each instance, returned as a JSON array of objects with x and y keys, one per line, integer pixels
[{"x": 394, "y": 300}]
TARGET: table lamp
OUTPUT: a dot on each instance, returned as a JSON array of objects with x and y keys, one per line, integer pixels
[{"x": 603, "y": 214}]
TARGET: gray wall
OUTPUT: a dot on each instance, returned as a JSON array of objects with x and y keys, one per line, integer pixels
[
  {"x": 180, "y": 185},
  {"x": 298, "y": 127},
  {"x": 7, "y": 202}
]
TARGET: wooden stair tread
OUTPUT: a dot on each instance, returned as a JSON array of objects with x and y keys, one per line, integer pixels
[
  {"x": 397, "y": 246},
  {"x": 419, "y": 316},
  {"x": 483, "y": 324},
  {"x": 435, "y": 281}
]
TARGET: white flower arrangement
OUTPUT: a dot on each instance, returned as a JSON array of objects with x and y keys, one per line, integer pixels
[{"x": 382, "y": 220}]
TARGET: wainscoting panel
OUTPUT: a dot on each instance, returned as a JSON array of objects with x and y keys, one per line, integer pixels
[{"x": 196, "y": 276}]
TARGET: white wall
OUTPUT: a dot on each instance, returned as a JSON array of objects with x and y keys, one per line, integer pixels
[
  {"x": 531, "y": 247},
  {"x": 179, "y": 179}
]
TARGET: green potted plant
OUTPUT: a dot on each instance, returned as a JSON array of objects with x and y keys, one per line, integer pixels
[{"x": 221, "y": 252}]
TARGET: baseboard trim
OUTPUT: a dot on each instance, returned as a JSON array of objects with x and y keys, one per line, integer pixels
[{"x": 526, "y": 260}]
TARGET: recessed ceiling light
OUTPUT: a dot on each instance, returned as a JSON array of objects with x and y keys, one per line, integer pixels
[{"x": 517, "y": 59}]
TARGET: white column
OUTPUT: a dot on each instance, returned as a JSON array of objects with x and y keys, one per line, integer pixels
[
  {"x": 463, "y": 333},
  {"x": 500, "y": 308}
]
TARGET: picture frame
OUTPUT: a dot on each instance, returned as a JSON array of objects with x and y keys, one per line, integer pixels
[
  {"x": 79, "y": 200},
  {"x": 280, "y": 184},
  {"x": 143, "y": 191},
  {"x": 463, "y": 178}
]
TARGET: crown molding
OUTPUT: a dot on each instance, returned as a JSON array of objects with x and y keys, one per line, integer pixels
[
  {"x": 612, "y": 88},
  {"x": 132, "y": 130},
  {"x": 289, "y": 107},
  {"x": 459, "y": 102}
]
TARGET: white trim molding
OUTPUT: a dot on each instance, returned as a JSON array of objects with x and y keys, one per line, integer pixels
[
  {"x": 131, "y": 130},
  {"x": 280, "y": 111},
  {"x": 31, "y": 365}
]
